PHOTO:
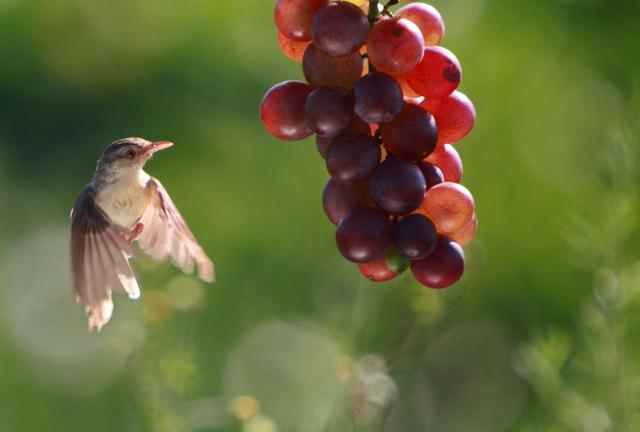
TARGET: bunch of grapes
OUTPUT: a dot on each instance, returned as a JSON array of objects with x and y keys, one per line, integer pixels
[{"x": 380, "y": 95}]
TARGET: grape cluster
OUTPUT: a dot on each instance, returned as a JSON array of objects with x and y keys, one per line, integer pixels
[{"x": 381, "y": 96}]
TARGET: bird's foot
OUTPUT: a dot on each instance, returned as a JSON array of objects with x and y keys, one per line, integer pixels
[{"x": 134, "y": 233}]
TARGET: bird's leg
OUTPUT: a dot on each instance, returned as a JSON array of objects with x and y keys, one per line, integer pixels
[{"x": 134, "y": 233}]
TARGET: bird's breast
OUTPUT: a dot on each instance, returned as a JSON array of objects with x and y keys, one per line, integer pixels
[{"x": 124, "y": 201}]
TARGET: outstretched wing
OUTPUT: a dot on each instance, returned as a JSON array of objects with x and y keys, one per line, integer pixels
[
  {"x": 166, "y": 234},
  {"x": 99, "y": 260}
]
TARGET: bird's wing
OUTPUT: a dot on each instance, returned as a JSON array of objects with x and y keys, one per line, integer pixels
[
  {"x": 99, "y": 260},
  {"x": 166, "y": 234}
]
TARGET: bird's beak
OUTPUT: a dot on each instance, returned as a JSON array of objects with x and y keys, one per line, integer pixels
[{"x": 156, "y": 146}]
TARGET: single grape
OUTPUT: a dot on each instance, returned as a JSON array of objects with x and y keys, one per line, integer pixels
[
  {"x": 432, "y": 174},
  {"x": 294, "y": 17},
  {"x": 415, "y": 236},
  {"x": 291, "y": 48},
  {"x": 282, "y": 110},
  {"x": 448, "y": 160},
  {"x": 357, "y": 125},
  {"x": 397, "y": 186},
  {"x": 339, "y": 29},
  {"x": 321, "y": 69},
  {"x": 377, "y": 271},
  {"x": 352, "y": 157},
  {"x": 329, "y": 109},
  {"x": 437, "y": 75},
  {"x": 395, "y": 46},
  {"x": 455, "y": 116},
  {"x": 412, "y": 134},
  {"x": 443, "y": 267},
  {"x": 364, "y": 235},
  {"x": 339, "y": 199},
  {"x": 450, "y": 206},
  {"x": 378, "y": 98},
  {"x": 428, "y": 20},
  {"x": 464, "y": 236}
]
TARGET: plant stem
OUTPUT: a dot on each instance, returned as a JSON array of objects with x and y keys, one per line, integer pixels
[{"x": 390, "y": 3}]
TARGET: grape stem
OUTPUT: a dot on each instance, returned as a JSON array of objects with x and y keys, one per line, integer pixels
[{"x": 373, "y": 11}]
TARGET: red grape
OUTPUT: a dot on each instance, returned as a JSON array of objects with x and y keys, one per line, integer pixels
[
  {"x": 378, "y": 98},
  {"x": 282, "y": 110},
  {"x": 450, "y": 206},
  {"x": 437, "y": 75},
  {"x": 352, "y": 157},
  {"x": 339, "y": 29},
  {"x": 364, "y": 235},
  {"x": 328, "y": 110},
  {"x": 464, "y": 236},
  {"x": 428, "y": 20},
  {"x": 357, "y": 125},
  {"x": 339, "y": 199},
  {"x": 432, "y": 174},
  {"x": 321, "y": 69},
  {"x": 395, "y": 46},
  {"x": 292, "y": 49},
  {"x": 415, "y": 236},
  {"x": 441, "y": 268},
  {"x": 294, "y": 17},
  {"x": 455, "y": 116},
  {"x": 412, "y": 134},
  {"x": 448, "y": 160},
  {"x": 378, "y": 270},
  {"x": 397, "y": 186}
]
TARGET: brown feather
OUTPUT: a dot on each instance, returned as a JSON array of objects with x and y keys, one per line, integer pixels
[{"x": 99, "y": 263}]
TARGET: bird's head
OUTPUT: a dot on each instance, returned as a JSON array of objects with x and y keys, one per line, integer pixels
[{"x": 128, "y": 156}]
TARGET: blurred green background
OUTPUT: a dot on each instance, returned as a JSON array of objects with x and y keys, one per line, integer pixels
[{"x": 542, "y": 333}]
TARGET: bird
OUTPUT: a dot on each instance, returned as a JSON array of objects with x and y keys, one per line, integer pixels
[{"x": 122, "y": 204}]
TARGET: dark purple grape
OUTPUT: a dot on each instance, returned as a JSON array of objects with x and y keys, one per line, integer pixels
[
  {"x": 364, "y": 235},
  {"x": 397, "y": 186},
  {"x": 340, "y": 28},
  {"x": 321, "y": 69},
  {"x": 339, "y": 199},
  {"x": 412, "y": 134},
  {"x": 357, "y": 125},
  {"x": 352, "y": 157},
  {"x": 378, "y": 98},
  {"x": 415, "y": 236},
  {"x": 442, "y": 267},
  {"x": 328, "y": 110},
  {"x": 432, "y": 174}
]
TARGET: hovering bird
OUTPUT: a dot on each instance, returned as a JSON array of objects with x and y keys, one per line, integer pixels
[{"x": 120, "y": 205}]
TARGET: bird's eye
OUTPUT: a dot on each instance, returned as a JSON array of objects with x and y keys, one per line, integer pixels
[{"x": 130, "y": 154}]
